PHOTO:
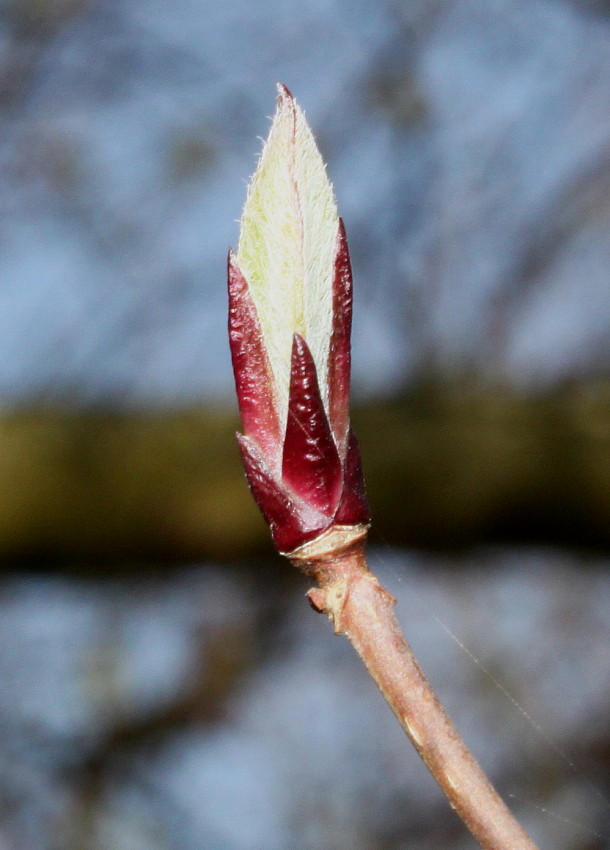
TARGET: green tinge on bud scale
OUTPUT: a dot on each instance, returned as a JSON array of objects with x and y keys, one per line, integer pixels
[{"x": 290, "y": 311}]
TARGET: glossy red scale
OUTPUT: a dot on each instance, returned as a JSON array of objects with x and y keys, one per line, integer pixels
[
  {"x": 353, "y": 508},
  {"x": 339, "y": 357},
  {"x": 253, "y": 375},
  {"x": 290, "y": 521},
  {"x": 310, "y": 464}
]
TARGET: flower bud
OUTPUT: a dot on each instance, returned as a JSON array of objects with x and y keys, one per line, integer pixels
[{"x": 290, "y": 310}]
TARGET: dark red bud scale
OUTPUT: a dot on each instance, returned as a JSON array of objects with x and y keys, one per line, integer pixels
[
  {"x": 291, "y": 521},
  {"x": 310, "y": 462},
  {"x": 339, "y": 357},
  {"x": 251, "y": 367},
  {"x": 353, "y": 508}
]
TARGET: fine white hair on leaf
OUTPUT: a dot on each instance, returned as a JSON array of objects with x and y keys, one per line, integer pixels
[{"x": 287, "y": 244}]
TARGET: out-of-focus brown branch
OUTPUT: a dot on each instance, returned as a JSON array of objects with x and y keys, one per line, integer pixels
[{"x": 470, "y": 466}]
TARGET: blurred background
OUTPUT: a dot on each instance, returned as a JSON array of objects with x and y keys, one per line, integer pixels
[{"x": 163, "y": 683}]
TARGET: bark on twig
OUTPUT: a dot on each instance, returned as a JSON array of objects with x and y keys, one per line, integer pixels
[{"x": 363, "y": 610}]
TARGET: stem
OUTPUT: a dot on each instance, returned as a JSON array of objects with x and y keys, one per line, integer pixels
[{"x": 363, "y": 610}]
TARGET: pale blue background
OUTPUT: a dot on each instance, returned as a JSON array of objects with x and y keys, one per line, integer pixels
[{"x": 469, "y": 143}]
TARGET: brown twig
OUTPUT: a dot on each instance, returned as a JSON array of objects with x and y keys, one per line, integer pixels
[{"x": 363, "y": 610}]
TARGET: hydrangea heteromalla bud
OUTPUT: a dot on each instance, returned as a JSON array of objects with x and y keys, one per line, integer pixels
[{"x": 290, "y": 313}]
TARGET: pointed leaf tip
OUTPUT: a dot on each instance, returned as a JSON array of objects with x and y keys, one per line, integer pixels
[{"x": 284, "y": 92}]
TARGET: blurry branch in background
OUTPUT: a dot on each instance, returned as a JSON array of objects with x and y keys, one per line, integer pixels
[
  {"x": 290, "y": 305},
  {"x": 28, "y": 27},
  {"x": 471, "y": 467}
]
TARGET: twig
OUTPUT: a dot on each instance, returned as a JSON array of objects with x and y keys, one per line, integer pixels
[
  {"x": 290, "y": 313},
  {"x": 361, "y": 609}
]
